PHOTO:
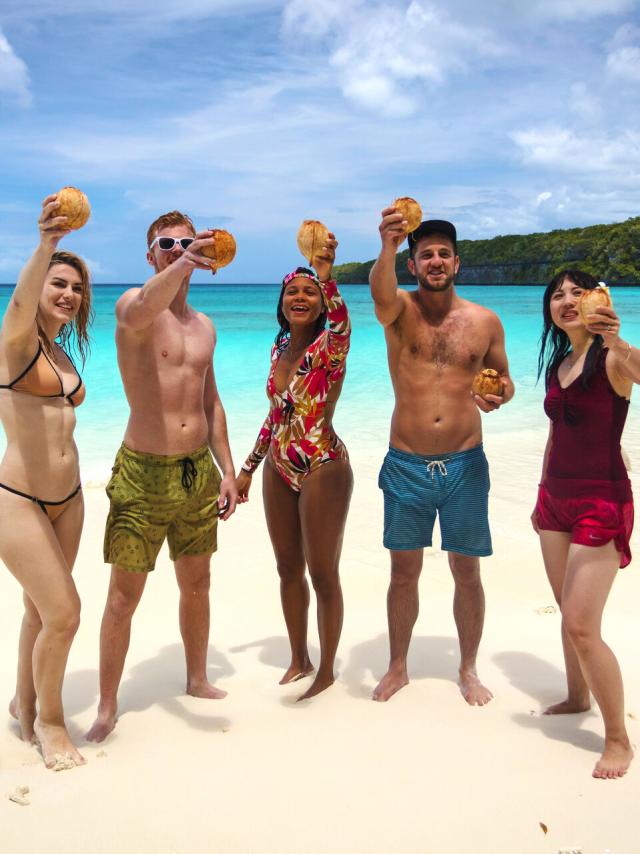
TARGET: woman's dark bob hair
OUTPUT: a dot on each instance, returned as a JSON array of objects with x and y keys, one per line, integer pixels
[
  {"x": 285, "y": 331},
  {"x": 554, "y": 342}
]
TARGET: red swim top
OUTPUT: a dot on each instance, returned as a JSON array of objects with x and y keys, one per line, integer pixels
[{"x": 585, "y": 460}]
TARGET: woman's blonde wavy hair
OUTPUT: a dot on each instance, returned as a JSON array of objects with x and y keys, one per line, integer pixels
[{"x": 76, "y": 332}]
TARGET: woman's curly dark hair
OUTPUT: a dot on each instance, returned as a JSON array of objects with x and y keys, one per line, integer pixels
[
  {"x": 284, "y": 332},
  {"x": 554, "y": 342}
]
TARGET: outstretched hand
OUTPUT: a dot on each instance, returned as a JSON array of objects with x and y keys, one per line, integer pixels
[
  {"x": 392, "y": 228},
  {"x": 323, "y": 261},
  {"x": 604, "y": 321},
  {"x": 52, "y": 228},
  {"x": 194, "y": 253}
]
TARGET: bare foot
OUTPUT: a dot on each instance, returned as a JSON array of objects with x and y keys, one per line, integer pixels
[
  {"x": 205, "y": 690},
  {"x": 320, "y": 683},
  {"x": 103, "y": 725},
  {"x": 25, "y": 717},
  {"x": 58, "y": 751},
  {"x": 614, "y": 761},
  {"x": 297, "y": 671},
  {"x": 568, "y": 707},
  {"x": 473, "y": 690},
  {"x": 390, "y": 683}
]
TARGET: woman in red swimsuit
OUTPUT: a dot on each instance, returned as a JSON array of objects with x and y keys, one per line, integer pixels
[
  {"x": 41, "y": 507},
  {"x": 584, "y": 512},
  {"x": 307, "y": 480}
]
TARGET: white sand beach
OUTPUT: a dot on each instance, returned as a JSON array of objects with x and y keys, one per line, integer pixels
[{"x": 257, "y": 772}]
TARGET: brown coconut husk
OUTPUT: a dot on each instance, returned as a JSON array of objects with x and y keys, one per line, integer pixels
[
  {"x": 223, "y": 251},
  {"x": 312, "y": 237},
  {"x": 487, "y": 382},
  {"x": 591, "y": 299},
  {"x": 410, "y": 210},
  {"x": 74, "y": 205}
]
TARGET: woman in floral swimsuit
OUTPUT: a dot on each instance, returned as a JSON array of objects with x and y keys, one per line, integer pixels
[{"x": 307, "y": 480}]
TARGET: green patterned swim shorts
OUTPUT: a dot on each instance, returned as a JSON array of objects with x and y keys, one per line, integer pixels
[{"x": 153, "y": 497}]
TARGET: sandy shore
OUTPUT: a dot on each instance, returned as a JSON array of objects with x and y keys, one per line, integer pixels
[{"x": 257, "y": 772}]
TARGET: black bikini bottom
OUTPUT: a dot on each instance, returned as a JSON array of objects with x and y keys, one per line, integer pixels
[{"x": 39, "y": 501}]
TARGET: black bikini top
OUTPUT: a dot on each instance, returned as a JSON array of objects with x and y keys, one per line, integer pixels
[{"x": 41, "y": 379}]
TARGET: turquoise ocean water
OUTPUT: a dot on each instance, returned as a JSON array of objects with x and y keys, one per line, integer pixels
[{"x": 244, "y": 316}]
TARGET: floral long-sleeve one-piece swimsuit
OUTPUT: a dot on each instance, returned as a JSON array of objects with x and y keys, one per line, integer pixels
[{"x": 295, "y": 432}]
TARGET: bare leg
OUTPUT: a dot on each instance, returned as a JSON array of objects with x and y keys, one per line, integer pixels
[
  {"x": 194, "y": 579},
  {"x": 590, "y": 574},
  {"x": 283, "y": 522},
  {"x": 125, "y": 590},
  {"x": 324, "y": 503},
  {"x": 34, "y": 554},
  {"x": 402, "y": 612},
  {"x": 67, "y": 527},
  {"x": 555, "y": 553},
  {"x": 468, "y": 612},
  {"x": 23, "y": 704}
]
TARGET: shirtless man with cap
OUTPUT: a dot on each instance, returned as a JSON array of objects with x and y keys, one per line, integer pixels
[
  {"x": 164, "y": 481},
  {"x": 436, "y": 343}
]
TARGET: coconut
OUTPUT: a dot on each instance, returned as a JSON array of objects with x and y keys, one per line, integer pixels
[
  {"x": 487, "y": 382},
  {"x": 591, "y": 299},
  {"x": 223, "y": 250},
  {"x": 410, "y": 210},
  {"x": 312, "y": 237},
  {"x": 74, "y": 205}
]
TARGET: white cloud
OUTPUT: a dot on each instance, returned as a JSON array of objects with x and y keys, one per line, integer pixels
[
  {"x": 623, "y": 60},
  {"x": 579, "y": 9},
  {"x": 543, "y": 197},
  {"x": 14, "y": 75},
  {"x": 562, "y": 148},
  {"x": 385, "y": 53}
]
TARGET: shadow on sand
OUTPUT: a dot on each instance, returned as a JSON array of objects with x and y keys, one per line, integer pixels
[
  {"x": 429, "y": 658},
  {"x": 157, "y": 681},
  {"x": 546, "y": 684}
]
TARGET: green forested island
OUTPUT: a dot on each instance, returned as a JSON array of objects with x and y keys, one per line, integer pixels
[{"x": 609, "y": 252}]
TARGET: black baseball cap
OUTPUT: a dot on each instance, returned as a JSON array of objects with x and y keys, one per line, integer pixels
[{"x": 433, "y": 226}]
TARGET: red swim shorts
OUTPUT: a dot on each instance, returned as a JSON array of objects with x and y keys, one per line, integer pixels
[{"x": 590, "y": 521}]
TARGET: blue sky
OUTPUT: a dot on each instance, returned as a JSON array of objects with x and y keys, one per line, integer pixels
[{"x": 507, "y": 116}]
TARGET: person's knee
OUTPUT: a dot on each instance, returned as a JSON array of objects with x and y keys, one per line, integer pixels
[
  {"x": 122, "y": 603},
  {"x": 465, "y": 570},
  {"x": 325, "y": 583},
  {"x": 196, "y": 583},
  {"x": 405, "y": 570},
  {"x": 290, "y": 570},
  {"x": 64, "y": 621},
  {"x": 580, "y": 631}
]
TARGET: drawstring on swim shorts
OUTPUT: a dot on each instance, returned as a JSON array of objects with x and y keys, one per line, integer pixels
[
  {"x": 440, "y": 465},
  {"x": 189, "y": 472}
]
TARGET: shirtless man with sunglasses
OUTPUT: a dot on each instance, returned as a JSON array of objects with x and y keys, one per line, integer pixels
[{"x": 164, "y": 481}]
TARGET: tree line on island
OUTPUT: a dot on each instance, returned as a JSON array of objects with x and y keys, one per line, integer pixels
[{"x": 609, "y": 252}]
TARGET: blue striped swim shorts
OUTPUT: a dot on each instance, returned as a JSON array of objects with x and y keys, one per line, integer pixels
[{"x": 454, "y": 486}]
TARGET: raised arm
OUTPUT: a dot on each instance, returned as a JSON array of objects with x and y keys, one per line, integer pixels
[
  {"x": 337, "y": 313},
  {"x": 388, "y": 299},
  {"x": 219, "y": 444},
  {"x": 496, "y": 358},
  {"x": 138, "y": 308},
  {"x": 623, "y": 361},
  {"x": 19, "y": 322}
]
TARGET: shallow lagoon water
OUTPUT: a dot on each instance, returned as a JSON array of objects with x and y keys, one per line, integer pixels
[{"x": 244, "y": 316}]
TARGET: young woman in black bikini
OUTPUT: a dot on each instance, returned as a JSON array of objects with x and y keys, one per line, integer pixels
[{"x": 41, "y": 507}]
